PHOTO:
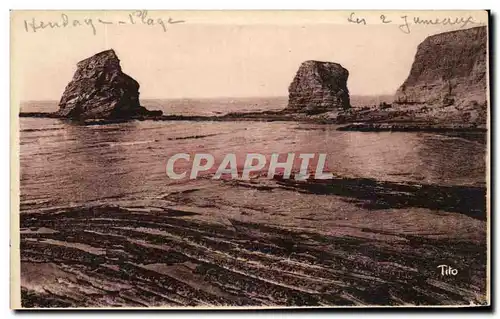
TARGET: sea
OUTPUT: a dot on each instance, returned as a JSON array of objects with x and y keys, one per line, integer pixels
[
  {"x": 67, "y": 163},
  {"x": 96, "y": 203}
]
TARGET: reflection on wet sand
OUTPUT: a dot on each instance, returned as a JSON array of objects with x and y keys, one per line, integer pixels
[
  {"x": 102, "y": 225},
  {"x": 258, "y": 243}
]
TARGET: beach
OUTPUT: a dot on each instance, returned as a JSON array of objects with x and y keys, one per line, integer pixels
[{"x": 102, "y": 225}]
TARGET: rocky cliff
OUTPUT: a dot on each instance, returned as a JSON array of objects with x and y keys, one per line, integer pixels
[
  {"x": 449, "y": 70},
  {"x": 319, "y": 87},
  {"x": 99, "y": 89}
]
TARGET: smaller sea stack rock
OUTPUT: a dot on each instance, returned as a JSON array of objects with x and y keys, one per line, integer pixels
[
  {"x": 319, "y": 87},
  {"x": 100, "y": 90}
]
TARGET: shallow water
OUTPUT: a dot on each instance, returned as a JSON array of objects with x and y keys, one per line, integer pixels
[
  {"x": 103, "y": 225},
  {"x": 63, "y": 163}
]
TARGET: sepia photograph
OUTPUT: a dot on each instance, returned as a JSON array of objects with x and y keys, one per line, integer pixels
[{"x": 250, "y": 159}]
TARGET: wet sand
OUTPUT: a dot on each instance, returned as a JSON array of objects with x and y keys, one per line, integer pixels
[{"x": 260, "y": 243}]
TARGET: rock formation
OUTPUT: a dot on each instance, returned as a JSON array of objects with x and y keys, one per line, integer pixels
[
  {"x": 449, "y": 69},
  {"x": 100, "y": 90},
  {"x": 319, "y": 87}
]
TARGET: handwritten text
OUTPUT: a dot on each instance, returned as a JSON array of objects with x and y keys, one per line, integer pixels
[
  {"x": 65, "y": 21},
  {"x": 405, "y": 22}
]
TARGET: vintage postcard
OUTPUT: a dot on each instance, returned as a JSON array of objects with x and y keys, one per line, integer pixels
[{"x": 249, "y": 159}]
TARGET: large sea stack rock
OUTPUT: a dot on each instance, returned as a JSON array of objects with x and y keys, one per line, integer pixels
[
  {"x": 100, "y": 90},
  {"x": 449, "y": 69},
  {"x": 319, "y": 87}
]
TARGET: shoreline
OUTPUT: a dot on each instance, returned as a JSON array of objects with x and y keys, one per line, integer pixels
[
  {"x": 280, "y": 116},
  {"x": 412, "y": 127},
  {"x": 345, "y": 241}
]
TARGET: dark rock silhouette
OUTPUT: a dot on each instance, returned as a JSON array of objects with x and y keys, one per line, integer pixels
[
  {"x": 373, "y": 194},
  {"x": 449, "y": 69},
  {"x": 319, "y": 87},
  {"x": 99, "y": 89}
]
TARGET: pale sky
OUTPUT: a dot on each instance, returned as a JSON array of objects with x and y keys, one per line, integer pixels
[{"x": 211, "y": 55}]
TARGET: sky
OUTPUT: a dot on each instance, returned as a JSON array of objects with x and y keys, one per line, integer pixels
[{"x": 215, "y": 54}]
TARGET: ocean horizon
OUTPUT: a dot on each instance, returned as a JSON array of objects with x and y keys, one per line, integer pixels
[{"x": 211, "y": 106}]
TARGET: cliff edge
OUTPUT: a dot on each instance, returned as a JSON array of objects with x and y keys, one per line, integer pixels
[
  {"x": 446, "y": 87},
  {"x": 449, "y": 70}
]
